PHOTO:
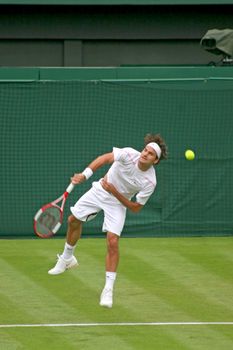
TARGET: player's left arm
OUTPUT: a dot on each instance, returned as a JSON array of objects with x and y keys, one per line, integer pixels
[{"x": 133, "y": 206}]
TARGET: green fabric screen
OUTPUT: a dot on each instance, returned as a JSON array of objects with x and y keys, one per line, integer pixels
[{"x": 52, "y": 129}]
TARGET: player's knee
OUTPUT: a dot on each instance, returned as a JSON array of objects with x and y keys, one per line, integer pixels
[
  {"x": 73, "y": 221},
  {"x": 112, "y": 242}
]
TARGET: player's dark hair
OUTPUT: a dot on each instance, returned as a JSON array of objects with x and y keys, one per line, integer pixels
[{"x": 160, "y": 141}]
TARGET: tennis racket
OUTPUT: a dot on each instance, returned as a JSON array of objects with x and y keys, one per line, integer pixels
[{"x": 48, "y": 219}]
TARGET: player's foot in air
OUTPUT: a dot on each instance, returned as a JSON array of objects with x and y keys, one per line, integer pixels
[
  {"x": 62, "y": 265},
  {"x": 106, "y": 298}
]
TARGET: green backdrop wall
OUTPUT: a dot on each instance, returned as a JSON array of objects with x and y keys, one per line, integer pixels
[{"x": 52, "y": 129}]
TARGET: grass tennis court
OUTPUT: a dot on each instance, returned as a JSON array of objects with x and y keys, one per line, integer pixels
[{"x": 164, "y": 280}]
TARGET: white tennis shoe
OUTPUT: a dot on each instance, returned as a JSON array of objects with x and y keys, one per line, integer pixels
[
  {"x": 106, "y": 298},
  {"x": 62, "y": 265}
]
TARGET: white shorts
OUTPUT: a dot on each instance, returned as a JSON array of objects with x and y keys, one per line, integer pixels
[{"x": 97, "y": 199}]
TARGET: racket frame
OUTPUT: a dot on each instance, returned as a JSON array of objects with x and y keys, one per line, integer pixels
[{"x": 54, "y": 204}]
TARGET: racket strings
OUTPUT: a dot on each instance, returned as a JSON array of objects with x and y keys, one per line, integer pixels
[{"x": 47, "y": 220}]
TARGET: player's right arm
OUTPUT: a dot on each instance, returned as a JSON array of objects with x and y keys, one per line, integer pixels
[{"x": 107, "y": 158}]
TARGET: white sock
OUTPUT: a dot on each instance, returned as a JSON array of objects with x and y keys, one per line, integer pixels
[
  {"x": 68, "y": 251},
  {"x": 110, "y": 280}
]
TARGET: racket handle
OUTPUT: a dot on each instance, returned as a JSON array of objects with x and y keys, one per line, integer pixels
[{"x": 70, "y": 187}]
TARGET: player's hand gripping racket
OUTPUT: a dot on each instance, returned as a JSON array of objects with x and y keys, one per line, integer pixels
[{"x": 48, "y": 219}]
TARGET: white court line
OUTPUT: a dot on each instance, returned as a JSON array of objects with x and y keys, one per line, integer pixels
[{"x": 114, "y": 324}]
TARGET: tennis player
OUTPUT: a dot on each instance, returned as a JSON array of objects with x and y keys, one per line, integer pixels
[{"x": 131, "y": 173}]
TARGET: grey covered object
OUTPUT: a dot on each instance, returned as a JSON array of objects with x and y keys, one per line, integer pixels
[{"x": 219, "y": 42}]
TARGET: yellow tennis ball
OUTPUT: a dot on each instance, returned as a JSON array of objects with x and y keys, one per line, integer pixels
[{"x": 189, "y": 154}]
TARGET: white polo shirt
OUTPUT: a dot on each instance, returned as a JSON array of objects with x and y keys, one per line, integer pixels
[{"x": 128, "y": 179}]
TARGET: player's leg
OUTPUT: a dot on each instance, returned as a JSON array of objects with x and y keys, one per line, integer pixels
[
  {"x": 73, "y": 234},
  {"x": 84, "y": 210},
  {"x": 114, "y": 219},
  {"x": 112, "y": 257},
  {"x": 112, "y": 260},
  {"x": 67, "y": 259},
  {"x": 74, "y": 230}
]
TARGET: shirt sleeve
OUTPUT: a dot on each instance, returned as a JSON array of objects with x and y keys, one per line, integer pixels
[
  {"x": 120, "y": 154},
  {"x": 143, "y": 196}
]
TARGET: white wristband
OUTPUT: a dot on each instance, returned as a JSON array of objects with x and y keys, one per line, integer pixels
[{"x": 87, "y": 173}]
